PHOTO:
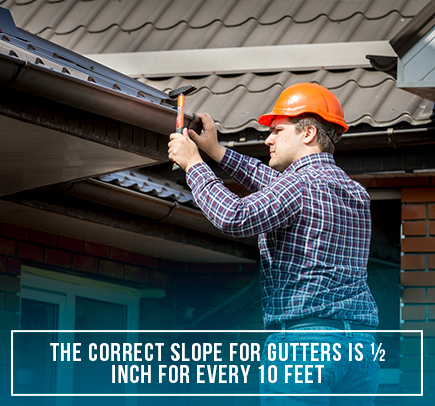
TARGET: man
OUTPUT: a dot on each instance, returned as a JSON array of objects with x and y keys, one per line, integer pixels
[{"x": 314, "y": 230}]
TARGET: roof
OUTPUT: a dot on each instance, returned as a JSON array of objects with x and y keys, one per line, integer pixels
[
  {"x": 366, "y": 96},
  {"x": 416, "y": 29},
  {"x": 236, "y": 101},
  {"x": 102, "y": 26},
  {"x": 150, "y": 184}
]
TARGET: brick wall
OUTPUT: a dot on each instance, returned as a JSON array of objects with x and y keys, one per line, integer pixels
[
  {"x": 191, "y": 289},
  {"x": 418, "y": 282}
]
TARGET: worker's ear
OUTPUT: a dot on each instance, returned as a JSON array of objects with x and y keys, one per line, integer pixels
[{"x": 310, "y": 133}]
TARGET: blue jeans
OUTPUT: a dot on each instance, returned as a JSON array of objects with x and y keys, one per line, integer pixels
[{"x": 295, "y": 375}]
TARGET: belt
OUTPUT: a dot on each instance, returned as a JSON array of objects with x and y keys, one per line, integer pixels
[{"x": 316, "y": 322}]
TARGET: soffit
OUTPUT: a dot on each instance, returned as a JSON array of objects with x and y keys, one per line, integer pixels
[
  {"x": 103, "y": 26},
  {"x": 33, "y": 156},
  {"x": 236, "y": 102}
]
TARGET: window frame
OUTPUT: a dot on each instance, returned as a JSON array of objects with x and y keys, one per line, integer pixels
[{"x": 62, "y": 290}]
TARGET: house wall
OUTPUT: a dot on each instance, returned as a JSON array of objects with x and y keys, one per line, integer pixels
[
  {"x": 187, "y": 285},
  {"x": 418, "y": 282}
]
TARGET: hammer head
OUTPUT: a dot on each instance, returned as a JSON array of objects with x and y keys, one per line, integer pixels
[{"x": 183, "y": 90}]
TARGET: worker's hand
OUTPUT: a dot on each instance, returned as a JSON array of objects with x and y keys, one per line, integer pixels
[
  {"x": 207, "y": 141},
  {"x": 183, "y": 151}
]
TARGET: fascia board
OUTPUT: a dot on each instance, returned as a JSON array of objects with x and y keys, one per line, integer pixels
[{"x": 277, "y": 58}]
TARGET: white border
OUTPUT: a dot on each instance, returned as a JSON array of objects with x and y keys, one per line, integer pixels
[{"x": 209, "y": 331}]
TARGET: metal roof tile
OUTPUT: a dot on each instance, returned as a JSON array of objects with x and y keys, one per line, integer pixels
[
  {"x": 150, "y": 184},
  {"x": 236, "y": 102},
  {"x": 133, "y": 25}
]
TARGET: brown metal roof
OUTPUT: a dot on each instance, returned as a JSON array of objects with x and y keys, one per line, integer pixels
[
  {"x": 102, "y": 26},
  {"x": 369, "y": 97},
  {"x": 236, "y": 102}
]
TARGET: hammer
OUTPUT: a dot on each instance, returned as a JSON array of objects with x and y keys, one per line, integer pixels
[{"x": 180, "y": 94}]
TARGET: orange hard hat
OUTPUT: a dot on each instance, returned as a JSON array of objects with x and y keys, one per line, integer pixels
[{"x": 307, "y": 98}]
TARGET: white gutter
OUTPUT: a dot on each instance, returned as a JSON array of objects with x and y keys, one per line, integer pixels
[{"x": 277, "y": 58}]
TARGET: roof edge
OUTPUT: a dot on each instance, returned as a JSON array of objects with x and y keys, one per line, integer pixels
[
  {"x": 275, "y": 58},
  {"x": 417, "y": 28}
]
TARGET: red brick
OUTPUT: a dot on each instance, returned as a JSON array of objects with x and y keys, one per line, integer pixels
[
  {"x": 410, "y": 347},
  {"x": 3, "y": 264},
  {"x": 416, "y": 195},
  {"x": 161, "y": 279},
  {"x": 414, "y": 212},
  {"x": 418, "y": 278},
  {"x": 410, "y": 380},
  {"x": 167, "y": 265},
  {"x": 431, "y": 261},
  {"x": 410, "y": 363},
  {"x": 135, "y": 273},
  {"x": 85, "y": 263},
  {"x": 403, "y": 181},
  {"x": 368, "y": 182},
  {"x": 428, "y": 327},
  {"x": 413, "y": 262},
  {"x": 414, "y": 313},
  {"x": 413, "y": 295},
  {"x": 13, "y": 231},
  {"x": 7, "y": 247},
  {"x": 99, "y": 250},
  {"x": 12, "y": 303},
  {"x": 58, "y": 258},
  {"x": 118, "y": 254},
  {"x": 431, "y": 295},
  {"x": 9, "y": 284},
  {"x": 30, "y": 252},
  {"x": 14, "y": 266},
  {"x": 431, "y": 211},
  {"x": 432, "y": 228},
  {"x": 2, "y": 301},
  {"x": 10, "y": 321},
  {"x": 418, "y": 244},
  {"x": 431, "y": 312},
  {"x": 111, "y": 268},
  {"x": 431, "y": 346},
  {"x": 43, "y": 238},
  {"x": 145, "y": 260},
  {"x": 414, "y": 228},
  {"x": 214, "y": 268},
  {"x": 251, "y": 268},
  {"x": 70, "y": 244},
  {"x": 234, "y": 282}
]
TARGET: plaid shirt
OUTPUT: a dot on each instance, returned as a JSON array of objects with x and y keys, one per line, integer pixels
[{"x": 314, "y": 230}]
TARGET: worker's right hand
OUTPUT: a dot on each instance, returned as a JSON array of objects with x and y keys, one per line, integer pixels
[{"x": 207, "y": 141}]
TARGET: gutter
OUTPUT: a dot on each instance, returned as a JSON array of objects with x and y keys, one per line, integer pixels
[
  {"x": 142, "y": 111},
  {"x": 143, "y": 205},
  {"x": 390, "y": 138}
]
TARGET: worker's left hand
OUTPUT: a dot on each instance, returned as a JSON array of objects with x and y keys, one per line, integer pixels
[{"x": 183, "y": 151}]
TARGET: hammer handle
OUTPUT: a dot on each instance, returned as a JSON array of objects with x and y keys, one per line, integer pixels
[{"x": 180, "y": 122}]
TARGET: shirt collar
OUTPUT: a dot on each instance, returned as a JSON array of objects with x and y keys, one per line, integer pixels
[{"x": 317, "y": 158}]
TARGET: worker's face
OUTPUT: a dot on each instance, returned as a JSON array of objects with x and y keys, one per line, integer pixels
[{"x": 284, "y": 143}]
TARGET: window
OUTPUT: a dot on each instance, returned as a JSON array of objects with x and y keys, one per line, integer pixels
[{"x": 52, "y": 301}]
